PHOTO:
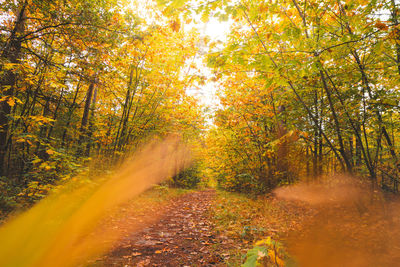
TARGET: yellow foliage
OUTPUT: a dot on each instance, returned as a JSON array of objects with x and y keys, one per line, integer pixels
[{"x": 58, "y": 230}]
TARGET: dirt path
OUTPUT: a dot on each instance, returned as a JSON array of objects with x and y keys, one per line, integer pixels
[{"x": 182, "y": 236}]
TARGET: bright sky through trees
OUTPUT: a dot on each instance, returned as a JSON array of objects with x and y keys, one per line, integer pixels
[{"x": 216, "y": 31}]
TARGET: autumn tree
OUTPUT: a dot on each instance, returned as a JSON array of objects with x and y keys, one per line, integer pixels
[
  {"x": 88, "y": 79},
  {"x": 324, "y": 70}
]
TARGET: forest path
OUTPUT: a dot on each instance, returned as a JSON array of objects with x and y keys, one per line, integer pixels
[{"x": 182, "y": 236}]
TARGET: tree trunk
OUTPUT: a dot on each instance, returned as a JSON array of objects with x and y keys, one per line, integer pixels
[
  {"x": 41, "y": 149},
  {"x": 10, "y": 54},
  {"x": 70, "y": 112},
  {"x": 91, "y": 123},
  {"x": 282, "y": 150},
  {"x": 85, "y": 117},
  {"x": 338, "y": 131},
  {"x": 394, "y": 14}
]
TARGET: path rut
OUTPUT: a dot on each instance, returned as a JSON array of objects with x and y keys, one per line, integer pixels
[{"x": 182, "y": 236}]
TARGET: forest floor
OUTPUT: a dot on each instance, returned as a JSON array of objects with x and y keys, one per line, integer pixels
[
  {"x": 182, "y": 235},
  {"x": 197, "y": 228},
  {"x": 214, "y": 228},
  {"x": 312, "y": 225}
]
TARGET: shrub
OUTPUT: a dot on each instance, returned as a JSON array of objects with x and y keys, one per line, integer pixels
[{"x": 188, "y": 178}]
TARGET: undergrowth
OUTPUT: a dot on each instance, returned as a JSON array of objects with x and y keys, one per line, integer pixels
[{"x": 258, "y": 227}]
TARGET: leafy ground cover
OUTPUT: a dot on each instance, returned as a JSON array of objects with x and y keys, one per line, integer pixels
[
  {"x": 341, "y": 223},
  {"x": 249, "y": 221},
  {"x": 218, "y": 228},
  {"x": 172, "y": 227},
  {"x": 178, "y": 233},
  {"x": 175, "y": 227}
]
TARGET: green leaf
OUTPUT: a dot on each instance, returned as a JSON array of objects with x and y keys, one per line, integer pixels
[{"x": 253, "y": 255}]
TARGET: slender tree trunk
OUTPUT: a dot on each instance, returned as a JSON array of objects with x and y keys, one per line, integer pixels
[
  {"x": 11, "y": 54},
  {"x": 91, "y": 123},
  {"x": 351, "y": 150},
  {"x": 41, "y": 149},
  {"x": 395, "y": 14},
  {"x": 70, "y": 112},
  {"x": 85, "y": 117},
  {"x": 320, "y": 140},
  {"x": 358, "y": 151},
  {"x": 342, "y": 151},
  {"x": 307, "y": 162},
  {"x": 282, "y": 150},
  {"x": 55, "y": 115},
  {"x": 316, "y": 135}
]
